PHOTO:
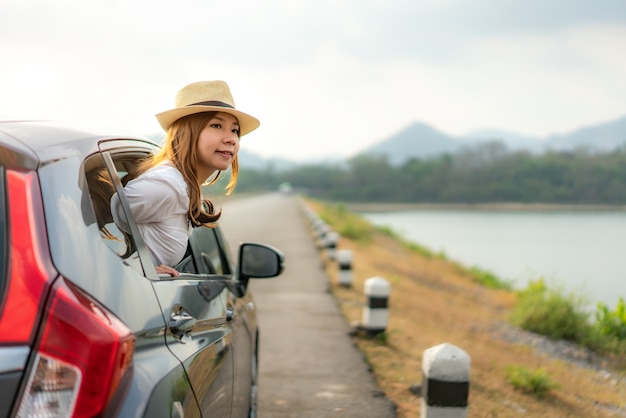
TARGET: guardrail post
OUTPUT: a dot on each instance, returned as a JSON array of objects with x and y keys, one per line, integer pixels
[
  {"x": 331, "y": 239},
  {"x": 344, "y": 260},
  {"x": 445, "y": 386},
  {"x": 376, "y": 311},
  {"x": 321, "y": 229}
]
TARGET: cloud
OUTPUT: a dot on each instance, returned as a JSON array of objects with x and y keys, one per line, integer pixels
[{"x": 328, "y": 77}]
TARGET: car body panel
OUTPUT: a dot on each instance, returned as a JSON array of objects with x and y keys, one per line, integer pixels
[
  {"x": 205, "y": 370},
  {"x": 159, "y": 385},
  {"x": 74, "y": 237},
  {"x": 205, "y": 348},
  {"x": 9, "y": 382},
  {"x": 244, "y": 331},
  {"x": 15, "y": 153}
]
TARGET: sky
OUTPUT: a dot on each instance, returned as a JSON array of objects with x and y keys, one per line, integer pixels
[{"x": 326, "y": 78}]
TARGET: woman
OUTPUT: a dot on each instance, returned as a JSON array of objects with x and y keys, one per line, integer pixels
[{"x": 165, "y": 195}]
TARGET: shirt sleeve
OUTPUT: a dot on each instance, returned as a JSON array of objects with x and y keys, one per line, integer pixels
[{"x": 152, "y": 197}]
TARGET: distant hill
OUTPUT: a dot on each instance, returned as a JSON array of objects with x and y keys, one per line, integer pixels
[
  {"x": 423, "y": 141},
  {"x": 249, "y": 159},
  {"x": 511, "y": 139},
  {"x": 417, "y": 139},
  {"x": 602, "y": 137}
]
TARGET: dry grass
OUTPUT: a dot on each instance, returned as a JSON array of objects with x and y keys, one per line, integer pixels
[{"x": 432, "y": 301}]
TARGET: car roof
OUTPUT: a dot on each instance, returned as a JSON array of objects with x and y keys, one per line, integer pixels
[{"x": 34, "y": 142}]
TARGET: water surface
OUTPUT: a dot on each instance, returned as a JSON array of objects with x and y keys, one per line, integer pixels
[{"x": 580, "y": 251}]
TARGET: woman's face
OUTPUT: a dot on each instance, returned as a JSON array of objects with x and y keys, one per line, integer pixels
[{"x": 218, "y": 144}]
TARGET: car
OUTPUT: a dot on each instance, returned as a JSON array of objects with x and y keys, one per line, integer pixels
[{"x": 87, "y": 325}]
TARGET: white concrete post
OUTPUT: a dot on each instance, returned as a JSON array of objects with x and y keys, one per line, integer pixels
[
  {"x": 321, "y": 229},
  {"x": 376, "y": 311},
  {"x": 308, "y": 212},
  {"x": 344, "y": 260},
  {"x": 331, "y": 239},
  {"x": 445, "y": 385}
]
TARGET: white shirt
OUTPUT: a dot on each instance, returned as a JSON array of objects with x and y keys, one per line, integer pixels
[{"x": 159, "y": 203}]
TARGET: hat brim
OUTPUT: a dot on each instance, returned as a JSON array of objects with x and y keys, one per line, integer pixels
[{"x": 247, "y": 123}]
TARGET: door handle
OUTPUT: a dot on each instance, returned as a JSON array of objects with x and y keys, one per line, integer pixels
[
  {"x": 181, "y": 322},
  {"x": 230, "y": 314}
]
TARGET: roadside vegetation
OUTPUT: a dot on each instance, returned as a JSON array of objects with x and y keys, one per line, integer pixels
[
  {"x": 436, "y": 300},
  {"x": 484, "y": 173},
  {"x": 563, "y": 316},
  {"x": 551, "y": 312},
  {"x": 535, "y": 382}
]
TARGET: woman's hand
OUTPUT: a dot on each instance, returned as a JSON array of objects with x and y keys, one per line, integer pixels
[{"x": 163, "y": 269}]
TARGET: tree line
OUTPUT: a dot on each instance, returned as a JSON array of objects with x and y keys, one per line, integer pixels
[{"x": 486, "y": 173}]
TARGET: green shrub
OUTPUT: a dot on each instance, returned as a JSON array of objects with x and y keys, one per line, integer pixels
[
  {"x": 612, "y": 323},
  {"x": 535, "y": 382},
  {"x": 550, "y": 313}
]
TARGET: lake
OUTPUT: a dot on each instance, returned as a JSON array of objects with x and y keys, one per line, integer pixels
[{"x": 579, "y": 251}]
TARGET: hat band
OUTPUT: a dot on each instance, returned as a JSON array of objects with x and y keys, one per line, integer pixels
[{"x": 212, "y": 103}]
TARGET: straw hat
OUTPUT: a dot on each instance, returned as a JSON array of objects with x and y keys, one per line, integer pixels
[{"x": 206, "y": 96}]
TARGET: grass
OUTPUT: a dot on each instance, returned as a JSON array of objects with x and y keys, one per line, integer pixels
[
  {"x": 535, "y": 382},
  {"x": 551, "y": 313},
  {"x": 347, "y": 225},
  {"x": 488, "y": 279},
  {"x": 564, "y": 316},
  {"x": 434, "y": 300}
]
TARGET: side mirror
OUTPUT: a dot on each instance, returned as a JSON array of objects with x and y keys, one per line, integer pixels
[{"x": 259, "y": 261}]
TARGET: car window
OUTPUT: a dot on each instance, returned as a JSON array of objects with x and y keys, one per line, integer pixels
[
  {"x": 227, "y": 259},
  {"x": 204, "y": 254},
  {"x": 100, "y": 184},
  {"x": 207, "y": 251},
  {"x": 100, "y": 191}
]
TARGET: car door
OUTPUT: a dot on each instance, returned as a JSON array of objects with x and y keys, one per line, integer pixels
[
  {"x": 198, "y": 334},
  {"x": 194, "y": 306},
  {"x": 208, "y": 256},
  {"x": 244, "y": 329},
  {"x": 210, "y": 253}
]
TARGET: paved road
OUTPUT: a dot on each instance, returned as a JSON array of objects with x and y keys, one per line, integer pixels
[{"x": 308, "y": 364}]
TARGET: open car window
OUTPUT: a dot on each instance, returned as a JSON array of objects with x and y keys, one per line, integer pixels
[
  {"x": 104, "y": 173},
  {"x": 100, "y": 191},
  {"x": 204, "y": 256}
]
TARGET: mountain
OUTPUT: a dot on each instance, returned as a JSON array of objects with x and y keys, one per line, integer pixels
[
  {"x": 419, "y": 140},
  {"x": 512, "y": 140},
  {"x": 602, "y": 137},
  {"x": 251, "y": 160}
]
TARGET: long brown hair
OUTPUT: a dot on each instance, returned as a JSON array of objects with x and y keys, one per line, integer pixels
[{"x": 181, "y": 148}]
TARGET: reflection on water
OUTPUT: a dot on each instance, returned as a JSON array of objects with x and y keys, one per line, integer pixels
[{"x": 582, "y": 251}]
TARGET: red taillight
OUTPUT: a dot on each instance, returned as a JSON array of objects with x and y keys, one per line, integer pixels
[
  {"x": 83, "y": 354},
  {"x": 30, "y": 269}
]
